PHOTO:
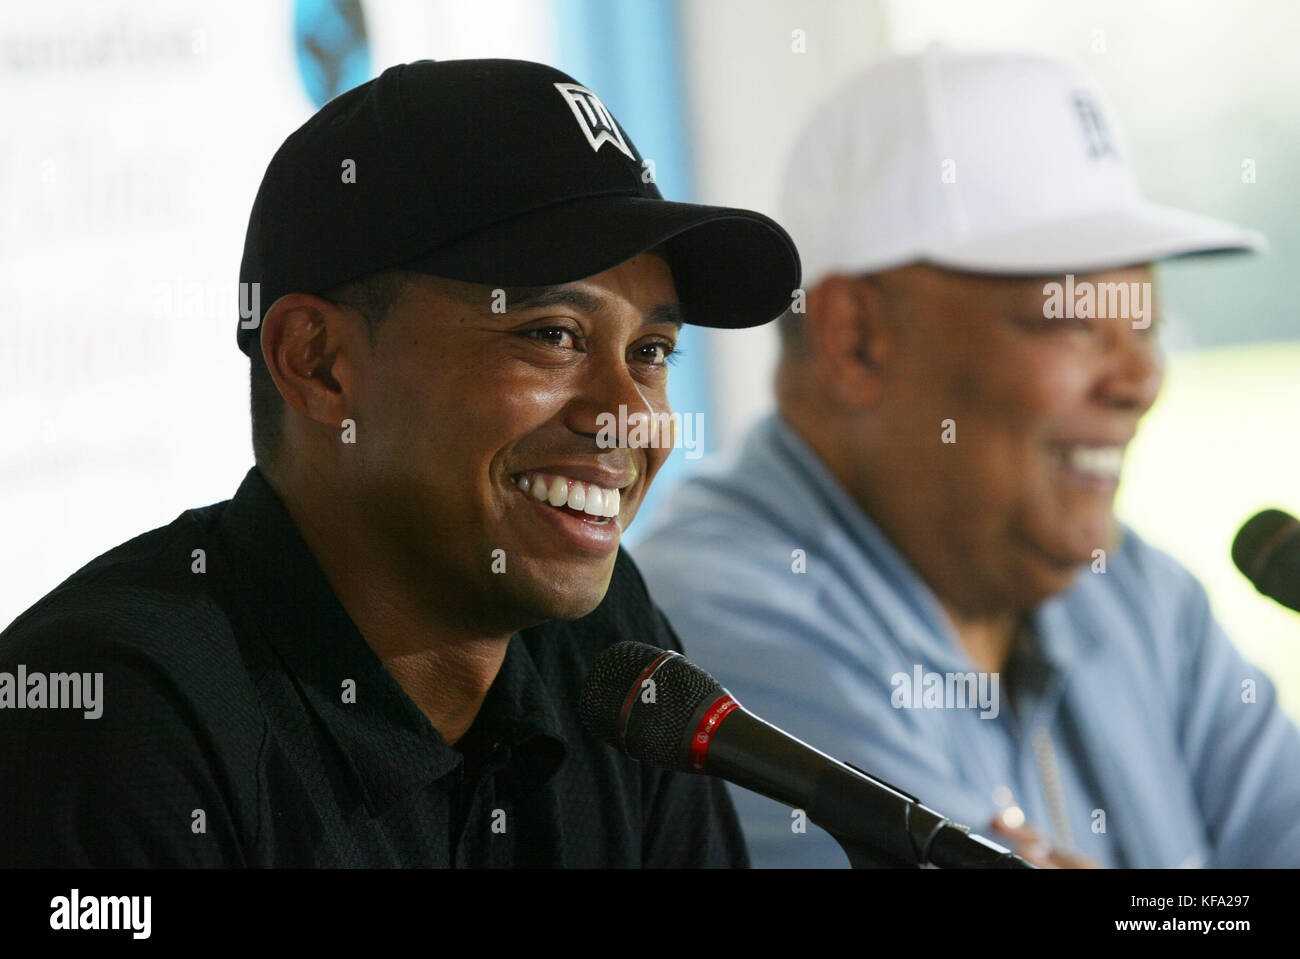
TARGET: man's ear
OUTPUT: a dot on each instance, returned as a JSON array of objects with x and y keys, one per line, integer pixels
[
  {"x": 849, "y": 337},
  {"x": 311, "y": 347}
]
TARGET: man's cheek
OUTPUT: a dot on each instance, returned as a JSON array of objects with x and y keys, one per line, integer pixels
[
  {"x": 1051, "y": 383},
  {"x": 508, "y": 406}
]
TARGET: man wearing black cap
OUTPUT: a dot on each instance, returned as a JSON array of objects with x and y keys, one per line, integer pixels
[{"x": 372, "y": 655}]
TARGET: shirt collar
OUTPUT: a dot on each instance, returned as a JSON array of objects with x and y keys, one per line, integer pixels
[
  {"x": 1057, "y": 642},
  {"x": 519, "y": 714},
  {"x": 903, "y": 582},
  {"x": 390, "y": 745}
]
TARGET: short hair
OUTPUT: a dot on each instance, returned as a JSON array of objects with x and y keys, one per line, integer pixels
[{"x": 371, "y": 296}]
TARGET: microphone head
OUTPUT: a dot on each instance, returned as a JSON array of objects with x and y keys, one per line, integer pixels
[
  {"x": 1258, "y": 540},
  {"x": 641, "y": 699}
]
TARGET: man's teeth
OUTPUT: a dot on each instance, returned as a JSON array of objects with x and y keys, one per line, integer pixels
[
  {"x": 1100, "y": 461},
  {"x": 560, "y": 491}
]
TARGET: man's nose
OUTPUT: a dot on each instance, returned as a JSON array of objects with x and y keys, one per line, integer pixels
[
  {"x": 1136, "y": 368},
  {"x": 610, "y": 397}
]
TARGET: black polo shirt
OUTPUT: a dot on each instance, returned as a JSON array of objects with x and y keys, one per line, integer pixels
[{"x": 246, "y": 722}]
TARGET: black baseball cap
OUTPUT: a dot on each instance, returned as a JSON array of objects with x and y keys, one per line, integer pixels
[{"x": 500, "y": 172}]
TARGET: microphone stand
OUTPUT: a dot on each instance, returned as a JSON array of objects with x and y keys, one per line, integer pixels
[
  {"x": 875, "y": 823},
  {"x": 921, "y": 837}
]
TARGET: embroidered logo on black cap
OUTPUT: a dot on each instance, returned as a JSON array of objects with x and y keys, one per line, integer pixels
[{"x": 594, "y": 118}]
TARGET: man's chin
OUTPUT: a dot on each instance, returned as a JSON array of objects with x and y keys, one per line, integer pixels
[
  {"x": 1071, "y": 538},
  {"x": 1045, "y": 583},
  {"x": 567, "y": 598},
  {"x": 571, "y": 608},
  {"x": 1052, "y": 566}
]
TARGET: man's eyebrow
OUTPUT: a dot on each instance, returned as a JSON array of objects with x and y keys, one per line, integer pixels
[
  {"x": 668, "y": 313},
  {"x": 532, "y": 298}
]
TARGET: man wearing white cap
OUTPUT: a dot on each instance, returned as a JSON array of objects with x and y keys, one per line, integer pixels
[{"x": 914, "y": 565}]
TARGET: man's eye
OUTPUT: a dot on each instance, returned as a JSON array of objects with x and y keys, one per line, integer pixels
[
  {"x": 659, "y": 353},
  {"x": 1061, "y": 324},
  {"x": 559, "y": 336}
]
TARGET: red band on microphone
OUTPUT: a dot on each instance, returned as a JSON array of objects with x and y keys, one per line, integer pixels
[{"x": 708, "y": 726}]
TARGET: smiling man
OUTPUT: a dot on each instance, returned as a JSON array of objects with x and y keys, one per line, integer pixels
[
  {"x": 372, "y": 655},
  {"x": 914, "y": 564}
]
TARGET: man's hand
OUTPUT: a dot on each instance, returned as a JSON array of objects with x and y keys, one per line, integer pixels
[{"x": 1029, "y": 844}]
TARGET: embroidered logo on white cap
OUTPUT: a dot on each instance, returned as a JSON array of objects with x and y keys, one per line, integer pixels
[
  {"x": 1095, "y": 130},
  {"x": 594, "y": 118}
]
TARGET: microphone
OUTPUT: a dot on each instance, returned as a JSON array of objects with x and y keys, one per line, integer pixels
[
  {"x": 657, "y": 707},
  {"x": 1267, "y": 551}
]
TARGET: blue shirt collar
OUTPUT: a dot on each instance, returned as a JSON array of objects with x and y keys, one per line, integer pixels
[{"x": 774, "y": 438}]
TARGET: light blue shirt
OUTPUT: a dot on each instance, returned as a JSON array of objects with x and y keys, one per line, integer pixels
[{"x": 1135, "y": 734}]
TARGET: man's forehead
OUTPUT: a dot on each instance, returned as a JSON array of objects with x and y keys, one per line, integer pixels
[
  {"x": 501, "y": 300},
  {"x": 1001, "y": 287},
  {"x": 1038, "y": 280},
  {"x": 531, "y": 298}
]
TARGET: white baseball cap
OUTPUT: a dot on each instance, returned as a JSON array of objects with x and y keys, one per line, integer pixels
[{"x": 1000, "y": 163}]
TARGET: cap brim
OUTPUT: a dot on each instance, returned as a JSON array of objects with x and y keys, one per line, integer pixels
[
  {"x": 732, "y": 268},
  {"x": 1102, "y": 240}
]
